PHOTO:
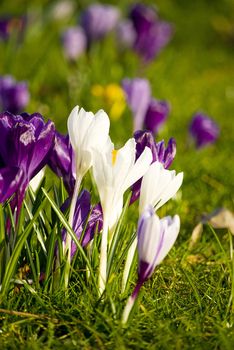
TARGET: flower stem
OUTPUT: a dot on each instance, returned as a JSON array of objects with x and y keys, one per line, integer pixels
[
  {"x": 131, "y": 301},
  {"x": 128, "y": 264},
  {"x": 103, "y": 259},
  {"x": 67, "y": 246}
]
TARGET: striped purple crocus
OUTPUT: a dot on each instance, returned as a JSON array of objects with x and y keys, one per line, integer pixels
[
  {"x": 155, "y": 238},
  {"x": 204, "y": 130},
  {"x": 160, "y": 152}
]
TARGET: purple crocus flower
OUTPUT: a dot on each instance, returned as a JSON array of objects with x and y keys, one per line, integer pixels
[
  {"x": 138, "y": 94},
  {"x": 74, "y": 42},
  {"x": 126, "y": 34},
  {"x": 14, "y": 96},
  {"x": 25, "y": 144},
  {"x": 85, "y": 218},
  {"x": 204, "y": 130},
  {"x": 97, "y": 20},
  {"x": 160, "y": 153},
  {"x": 152, "y": 33},
  {"x": 61, "y": 161},
  {"x": 155, "y": 239},
  {"x": 156, "y": 115}
]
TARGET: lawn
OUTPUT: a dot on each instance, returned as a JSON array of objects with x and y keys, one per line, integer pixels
[{"x": 188, "y": 302}]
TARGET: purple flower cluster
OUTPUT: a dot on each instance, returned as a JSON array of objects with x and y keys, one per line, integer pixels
[
  {"x": 148, "y": 112},
  {"x": 96, "y": 21},
  {"x": 144, "y": 32},
  {"x": 14, "y": 96},
  {"x": 160, "y": 153},
  {"x": 27, "y": 145},
  {"x": 204, "y": 130}
]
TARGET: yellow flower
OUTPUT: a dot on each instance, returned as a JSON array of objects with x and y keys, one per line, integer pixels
[{"x": 113, "y": 98}]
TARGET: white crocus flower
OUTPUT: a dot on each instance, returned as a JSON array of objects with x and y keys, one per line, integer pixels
[
  {"x": 158, "y": 186},
  {"x": 88, "y": 133},
  {"x": 114, "y": 172}
]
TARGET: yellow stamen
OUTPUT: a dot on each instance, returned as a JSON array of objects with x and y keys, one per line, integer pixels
[{"x": 114, "y": 156}]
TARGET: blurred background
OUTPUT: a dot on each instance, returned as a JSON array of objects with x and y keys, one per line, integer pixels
[{"x": 194, "y": 72}]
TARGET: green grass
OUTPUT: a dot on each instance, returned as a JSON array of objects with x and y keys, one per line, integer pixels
[{"x": 187, "y": 304}]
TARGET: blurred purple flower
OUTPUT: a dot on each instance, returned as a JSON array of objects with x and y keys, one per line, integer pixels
[
  {"x": 4, "y": 31},
  {"x": 25, "y": 144},
  {"x": 126, "y": 34},
  {"x": 97, "y": 20},
  {"x": 156, "y": 115},
  {"x": 85, "y": 218},
  {"x": 152, "y": 33},
  {"x": 12, "y": 25},
  {"x": 160, "y": 153},
  {"x": 74, "y": 42},
  {"x": 14, "y": 96},
  {"x": 204, "y": 130},
  {"x": 61, "y": 161},
  {"x": 138, "y": 94}
]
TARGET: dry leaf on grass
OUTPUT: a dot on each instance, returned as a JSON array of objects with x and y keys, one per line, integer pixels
[{"x": 220, "y": 218}]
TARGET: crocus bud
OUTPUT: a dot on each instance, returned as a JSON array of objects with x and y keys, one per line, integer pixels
[
  {"x": 74, "y": 42},
  {"x": 126, "y": 34},
  {"x": 138, "y": 95},
  {"x": 156, "y": 115},
  {"x": 97, "y": 20},
  {"x": 14, "y": 96},
  {"x": 204, "y": 130},
  {"x": 152, "y": 33}
]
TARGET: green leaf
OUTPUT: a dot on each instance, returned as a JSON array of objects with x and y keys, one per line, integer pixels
[{"x": 71, "y": 232}]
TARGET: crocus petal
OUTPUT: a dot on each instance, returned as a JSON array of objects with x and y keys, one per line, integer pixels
[
  {"x": 78, "y": 123},
  {"x": 74, "y": 42},
  {"x": 158, "y": 186},
  {"x": 171, "y": 227},
  {"x": 95, "y": 222},
  {"x": 164, "y": 155},
  {"x": 156, "y": 115},
  {"x": 36, "y": 180},
  {"x": 97, "y": 20},
  {"x": 138, "y": 94},
  {"x": 62, "y": 161},
  {"x": 87, "y": 132},
  {"x": 114, "y": 178},
  {"x": 10, "y": 180},
  {"x": 155, "y": 239},
  {"x": 140, "y": 168}
]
